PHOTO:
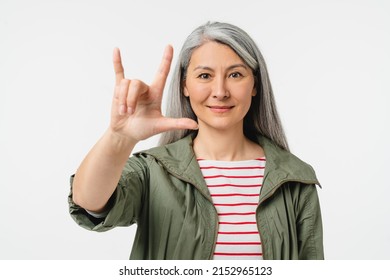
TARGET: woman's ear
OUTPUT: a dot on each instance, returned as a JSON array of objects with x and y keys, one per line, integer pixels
[
  {"x": 254, "y": 91},
  {"x": 186, "y": 92}
]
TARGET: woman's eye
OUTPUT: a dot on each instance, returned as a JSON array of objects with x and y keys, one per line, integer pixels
[
  {"x": 204, "y": 76},
  {"x": 235, "y": 75}
]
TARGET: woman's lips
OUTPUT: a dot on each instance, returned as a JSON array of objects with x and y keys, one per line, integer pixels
[{"x": 220, "y": 109}]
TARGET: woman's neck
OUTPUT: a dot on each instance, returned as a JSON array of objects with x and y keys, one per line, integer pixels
[{"x": 225, "y": 145}]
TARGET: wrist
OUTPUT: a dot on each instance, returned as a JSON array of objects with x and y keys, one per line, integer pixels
[{"x": 118, "y": 142}]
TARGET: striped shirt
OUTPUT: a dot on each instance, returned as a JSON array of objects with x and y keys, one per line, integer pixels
[{"x": 235, "y": 187}]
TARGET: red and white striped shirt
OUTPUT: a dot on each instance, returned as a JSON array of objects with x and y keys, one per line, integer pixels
[{"x": 235, "y": 187}]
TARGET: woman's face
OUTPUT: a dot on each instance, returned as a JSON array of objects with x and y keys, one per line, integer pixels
[{"x": 220, "y": 87}]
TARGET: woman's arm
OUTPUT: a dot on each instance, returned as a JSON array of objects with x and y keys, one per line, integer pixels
[{"x": 99, "y": 173}]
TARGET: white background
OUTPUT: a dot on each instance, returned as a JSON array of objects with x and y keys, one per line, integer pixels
[{"x": 329, "y": 67}]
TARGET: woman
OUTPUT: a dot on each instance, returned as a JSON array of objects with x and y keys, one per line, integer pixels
[{"x": 223, "y": 183}]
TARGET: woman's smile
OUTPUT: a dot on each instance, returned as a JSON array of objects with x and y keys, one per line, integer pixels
[{"x": 220, "y": 109}]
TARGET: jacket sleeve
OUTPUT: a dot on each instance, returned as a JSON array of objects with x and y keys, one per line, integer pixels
[
  {"x": 125, "y": 204},
  {"x": 309, "y": 225}
]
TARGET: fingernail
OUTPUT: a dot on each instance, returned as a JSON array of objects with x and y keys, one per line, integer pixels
[{"x": 130, "y": 110}]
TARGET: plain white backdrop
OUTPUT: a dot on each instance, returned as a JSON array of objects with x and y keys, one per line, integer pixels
[{"x": 329, "y": 64}]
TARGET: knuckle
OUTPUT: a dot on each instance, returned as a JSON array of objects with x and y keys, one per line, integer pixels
[
  {"x": 179, "y": 123},
  {"x": 122, "y": 90},
  {"x": 117, "y": 92},
  {"x": 136, "y": 85}
]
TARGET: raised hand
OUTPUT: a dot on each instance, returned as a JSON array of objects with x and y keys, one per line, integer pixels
[{"x": 136, "y": 108}]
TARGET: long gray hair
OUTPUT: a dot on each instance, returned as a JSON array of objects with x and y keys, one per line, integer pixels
[{"x": 262, "y": 117}]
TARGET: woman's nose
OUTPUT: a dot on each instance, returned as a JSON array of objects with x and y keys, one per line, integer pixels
[{"x": 220, "y": 91}]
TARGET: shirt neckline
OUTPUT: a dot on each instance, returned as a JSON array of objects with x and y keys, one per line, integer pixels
[{"x": 232, "y": 161}]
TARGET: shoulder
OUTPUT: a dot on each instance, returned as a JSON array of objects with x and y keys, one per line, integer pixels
[{"x": 175, "y": 156}]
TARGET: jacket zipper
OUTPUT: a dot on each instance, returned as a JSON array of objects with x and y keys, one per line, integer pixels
[
  {"x": 271, "y": 193},
  {"x": 216, "y": 220},
  {"x": 257, "y": 210}
]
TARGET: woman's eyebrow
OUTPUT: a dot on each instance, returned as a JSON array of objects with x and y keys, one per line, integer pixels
[
  {"x": 203, "y": 68},
  {"x": 237, "y": 66},
  {"x": 229, "y": 68}
]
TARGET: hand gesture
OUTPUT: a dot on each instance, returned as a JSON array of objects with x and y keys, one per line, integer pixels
[{"x": 136, "y": 109}]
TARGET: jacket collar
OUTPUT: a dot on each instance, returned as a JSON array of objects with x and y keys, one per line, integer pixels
[
  {"x": 281, "y": 166},
  {"x": 179, "y": 159}
]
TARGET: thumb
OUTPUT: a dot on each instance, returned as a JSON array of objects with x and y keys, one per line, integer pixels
[{"x": 167, "y": 124}]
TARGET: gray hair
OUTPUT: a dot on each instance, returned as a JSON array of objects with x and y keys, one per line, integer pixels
[{"x": 262, "y": 117}]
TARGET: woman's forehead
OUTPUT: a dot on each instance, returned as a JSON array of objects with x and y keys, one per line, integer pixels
[{"x": 213, "y": 54}]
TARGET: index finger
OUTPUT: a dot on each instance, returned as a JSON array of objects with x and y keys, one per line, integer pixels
[
  {"x": 163, "y": 70},
  {"x": 118, "y": 68}
]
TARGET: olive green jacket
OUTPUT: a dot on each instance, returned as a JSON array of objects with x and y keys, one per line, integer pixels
[{"x": 163, "y": 191}]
